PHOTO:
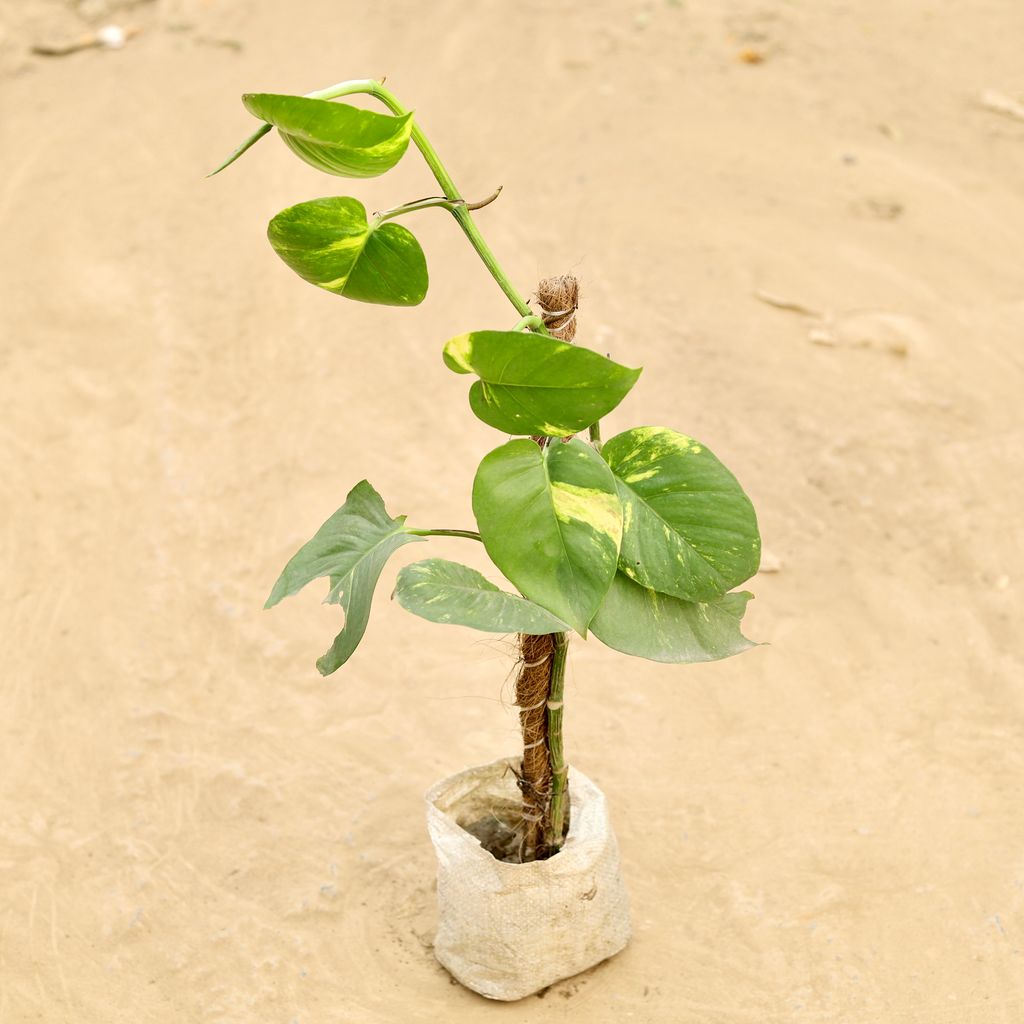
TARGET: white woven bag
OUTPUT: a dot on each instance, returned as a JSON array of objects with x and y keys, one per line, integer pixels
[{"x": 509, "y": 930}]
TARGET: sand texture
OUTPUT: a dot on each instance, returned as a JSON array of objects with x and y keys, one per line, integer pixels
[{"x": 806, "y": 220}]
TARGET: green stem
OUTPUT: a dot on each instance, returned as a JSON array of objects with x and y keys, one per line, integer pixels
[
  {"x": 595, "y": 433},
  {"x": 559, "y": 769},
  {"x": 350, "y": 88},
  {"x": 440, "y": 172},
  {"x": 471, "y": 534},
  {"x": 418, "y": 204},
  {"x": 425, "y": 204},
  {"x": 534, "y": 322}
]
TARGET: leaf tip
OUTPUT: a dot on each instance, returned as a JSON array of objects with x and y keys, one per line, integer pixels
[
  {"x": 249, "y": 99},
  {"x": 454, "y": 354}
]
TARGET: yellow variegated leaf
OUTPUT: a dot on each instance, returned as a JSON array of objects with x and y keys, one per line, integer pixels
[
  {"x": 551, "y": 521},
  {"x": 532, "y": 384},
  {"x": 443, "y": 591},
  {"x": 690, "y": 531},
  {"x": 335, "y": 137}
]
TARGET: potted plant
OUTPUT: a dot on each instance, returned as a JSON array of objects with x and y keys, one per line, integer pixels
[{"x": 638, "y": 540}]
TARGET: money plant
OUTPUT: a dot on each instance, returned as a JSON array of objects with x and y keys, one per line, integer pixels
[{"x": 638, "y": 540}]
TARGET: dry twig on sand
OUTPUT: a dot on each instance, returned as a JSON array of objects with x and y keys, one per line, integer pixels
[{"x": 110, "y": 37}]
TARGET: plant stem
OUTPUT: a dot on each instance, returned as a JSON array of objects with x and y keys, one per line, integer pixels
[
  {"x": 559, "y": 769},
  {"x": 541, "y": 681},
  {"x": 533, "y": 322},
  {"x": 417, "y": 204},
  {"x": 350, "y": 88},
  {"x": 440, "y": 172},
  {"x": 471, "y": 534},
  {"x": 425, "y": 204},
  {"x": 595, "y": 433},
  {"x": 533, "y": 691}
]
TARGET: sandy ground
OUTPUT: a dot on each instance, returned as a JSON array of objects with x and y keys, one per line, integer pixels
[{"x": 193, "y": 825}]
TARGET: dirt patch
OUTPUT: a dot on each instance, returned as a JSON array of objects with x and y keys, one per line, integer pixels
[{"x": 193, "y": 824}]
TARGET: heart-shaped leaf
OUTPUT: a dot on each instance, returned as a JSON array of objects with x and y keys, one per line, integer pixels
[
  {"x": 642, "y": 622},
  {"x": 335, "y": 137},
  {"x": 351, "y": 548},
  {"x": 551, "y": 521},
  {"x": 532, "y": 384},
  {"x": 443, "y": 591},
  {"x": 329, "y": 243},
  {"x": 690, "y": 531}
]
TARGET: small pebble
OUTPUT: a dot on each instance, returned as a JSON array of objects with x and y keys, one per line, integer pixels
[{"x": 111, "y": 36}]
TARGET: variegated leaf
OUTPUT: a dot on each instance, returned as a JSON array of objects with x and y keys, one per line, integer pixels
[
  {"x": 335, "y": 137},
  {"x": 532, "y": 384},
  {"x": 329, "y": 243},
  {"x": 689, "y": 529},
  {"x": 443, "y": 591},
  {"x": 351, "y": 548},
  {"x": 551, "y": 521},
  {"x": 644, "y": 623}
]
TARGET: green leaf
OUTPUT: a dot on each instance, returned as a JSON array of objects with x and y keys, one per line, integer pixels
[
  {"x": 329, "y": 243},
  {"x": 689, "y": 531},
  {"x": 551, "y": 521},
  {"x": 351, "y": 548},
  {"x": 642, "y": 622},
  {"x": 335, "y": 137},
  {"x": 443, "y": 591},
  {"x": 532, "y": 384}
]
